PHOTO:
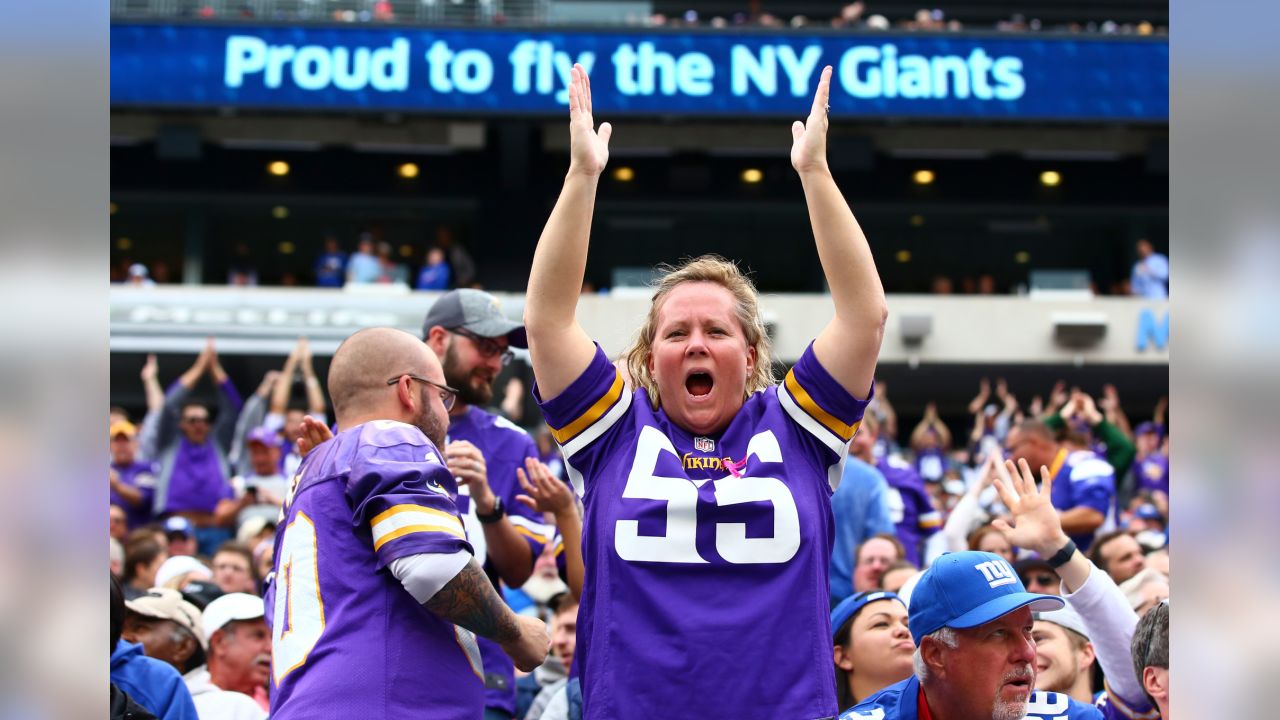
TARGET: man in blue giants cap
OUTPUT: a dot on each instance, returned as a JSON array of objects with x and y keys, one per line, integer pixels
[{"x": 971, "y": 620}]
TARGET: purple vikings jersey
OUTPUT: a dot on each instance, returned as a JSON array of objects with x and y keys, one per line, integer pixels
[
  {"x": 900, "y": 701},
  {"x": 1153, "y": 473},
  {"x": 910, "y": 507},
  {"x": 1082, "y": 478},
  {"x": 504, "y": 446},
  {"x": 347, "y": 639},
  {"x": 706, "y": 591}
]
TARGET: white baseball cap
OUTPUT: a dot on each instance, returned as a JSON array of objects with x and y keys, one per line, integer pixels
[
  {"x": 181, "y": 565},
  {"x": 229, "y": 608},
  {"x": 1066, "y": 617}
]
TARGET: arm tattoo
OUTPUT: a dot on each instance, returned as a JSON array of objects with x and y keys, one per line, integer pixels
[{"x": 470, "y": 601}]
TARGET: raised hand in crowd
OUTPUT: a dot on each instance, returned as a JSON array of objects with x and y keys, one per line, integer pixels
[
  {"x": 546, "y": 493},
  {"x": 311, "y": 433},
  {"x": 151, "y": 383},
  {"x": 1162, "y": 409},
  {"x": 1058, "y": 397},
  {"x": 980, "y": 400},
  {"x": 269, "y": 380}
]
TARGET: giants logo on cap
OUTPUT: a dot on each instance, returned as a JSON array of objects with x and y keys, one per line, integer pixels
[{"x": 997, "y": 572}]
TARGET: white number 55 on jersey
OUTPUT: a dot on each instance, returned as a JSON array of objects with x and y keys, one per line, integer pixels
[{"x": 679, "y": 544}]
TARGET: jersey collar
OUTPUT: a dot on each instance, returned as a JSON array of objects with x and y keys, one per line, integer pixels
[{"x": 1057, "y": 462}]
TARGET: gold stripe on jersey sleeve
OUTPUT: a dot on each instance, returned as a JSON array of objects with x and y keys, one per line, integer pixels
[
  {"x": 397, "y": 509},
  {"x": 410, "y": 529},
  {"x": 593, "y": 413},
  {"x": 806, "y": 403}
]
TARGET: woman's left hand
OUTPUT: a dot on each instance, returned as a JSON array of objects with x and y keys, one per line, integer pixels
[{"x": 809, "y": 138}]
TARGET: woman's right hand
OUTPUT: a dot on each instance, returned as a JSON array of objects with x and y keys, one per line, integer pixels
[{"x": 588, "y": 149}]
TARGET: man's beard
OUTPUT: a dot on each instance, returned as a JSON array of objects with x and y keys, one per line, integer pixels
[
  {"x": 1003, "y": 710},
  {"x": 433, "y": 427},
  {"x": 455, "y": 377}
]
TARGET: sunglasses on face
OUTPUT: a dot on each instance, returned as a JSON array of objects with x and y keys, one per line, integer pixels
[
  {"x": 195, "y": 420},
  {"x": 1043, "y": 579},
  {"x": 448, "y": 395},
  {"x": 487, "y": 347}
]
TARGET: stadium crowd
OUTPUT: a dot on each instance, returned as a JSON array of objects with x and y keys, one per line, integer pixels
[{"x": 1017, "y": 568}]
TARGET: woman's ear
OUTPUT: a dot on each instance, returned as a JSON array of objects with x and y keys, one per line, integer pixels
[{"x": 842, "y": 659}]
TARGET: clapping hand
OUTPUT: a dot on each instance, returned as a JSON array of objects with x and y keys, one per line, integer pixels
[
  {"x": 545, "y": 492},
  {"x": 588, "y": 149}
]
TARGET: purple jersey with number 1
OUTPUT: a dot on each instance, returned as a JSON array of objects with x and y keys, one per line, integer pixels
[
  {"x": 706, "y": 590},
  {"x": 347, "y": 639}
]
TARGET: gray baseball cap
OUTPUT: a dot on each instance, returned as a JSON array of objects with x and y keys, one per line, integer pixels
[
  {"x": 1067, "y": 617},
  {"x": 475, "y": 311}
]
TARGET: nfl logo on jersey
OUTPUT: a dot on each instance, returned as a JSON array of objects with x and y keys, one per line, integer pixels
[{"x": 705, "y": 445}]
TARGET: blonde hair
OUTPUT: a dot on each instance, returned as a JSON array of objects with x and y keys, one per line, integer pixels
[{"x": 712, "y": 269}]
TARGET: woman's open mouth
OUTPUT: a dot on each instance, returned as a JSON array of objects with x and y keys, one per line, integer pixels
[{"x": 699, "y": 384}]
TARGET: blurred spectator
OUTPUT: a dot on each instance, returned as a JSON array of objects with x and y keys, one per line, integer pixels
[
  {"x": 897, "y": 575},
  {"x": 151, "y": 683},
  {"x": 860, "y": 509},
  {"x": 1150, "y": 650},
  {"x": 872, "y": 558},
  {"x": 553, "y": 674},
  {"x": 239, "y": 659},
  {"x": 179, "y": 570},
  {"x": 119, "y": 526},
  {"x": 260, "y": 491},
  {"x": 142, "y": 560},
  {"x": 1145, "y": 590},
  {"x": 1084, "y": 484},
  {"x": 942, "y": 285},
  {"x": 133, "y": 482},
  {"x": 1151, "y": 466},
  {"x": 871, "y": 645},
  {"x": 181, "y": 536},
  {"x": 1037, "y": 575},
  {"x": 989, "y": 539},
  {"x": 117, "y": 557},
  {"x": 910, "y": 507},
  {"x": 390, "y": 272},
  {"x": 233, "y": 569},
  {"x": 986, "y": 284},
  {"x": 283, "y": 416},
  {"x": 363, "y": 266},
  {"x": 168, "y": 628},
  {"x": 549, "y": 452},
  {"x": 1079, "y": 413},
  {"x": 1118, "y": 554},
  {"x": 1150, "y": 276},
  {"x": 331, "y": 266},
  {"x": 243, "y": 271},
  {"x": 463, "y": 267},
  {"x": 139, "y": 277},
  {"x": 435, "y": 274},
  {"x": 930, "y": 441},
  {"x": 192, "y": 459}
]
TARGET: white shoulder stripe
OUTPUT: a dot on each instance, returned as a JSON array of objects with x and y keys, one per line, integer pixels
[
  {"x": 815, "y": 428},
  {"x": 598, "y": 428}
]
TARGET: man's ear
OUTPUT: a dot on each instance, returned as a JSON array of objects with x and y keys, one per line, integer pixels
[
  {"x": 1087, "y": 655},
  {"x": 1155, "y": 681},
  {"x": 934, "y": 655},
  {"x": 438, "y": 340}
]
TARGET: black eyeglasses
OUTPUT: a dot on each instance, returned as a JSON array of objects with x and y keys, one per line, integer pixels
[
  {"x": 447, "y": 394},
  {"x": 487, "y": 347}
]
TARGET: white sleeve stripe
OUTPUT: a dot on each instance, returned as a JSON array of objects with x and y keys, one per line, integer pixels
[
  {"x": 411, "y": 518},
  {"x": 423, "y": 574},
  {"x": 598, "y": 428},
  {"x": 815, "y": 428}
]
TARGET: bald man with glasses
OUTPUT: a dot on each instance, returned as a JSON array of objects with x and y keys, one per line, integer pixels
[{"x": 375, "y": 599}]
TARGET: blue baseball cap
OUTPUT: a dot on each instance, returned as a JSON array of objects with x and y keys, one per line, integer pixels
[
  {"x": 1148, "y": 427},
  {"x": 851, "y": 605},
  {"x": 967, "y": 589},
  {"x": 178, "y": 524}
]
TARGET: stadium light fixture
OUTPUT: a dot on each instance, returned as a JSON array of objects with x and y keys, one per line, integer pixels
[
  {"x": 406, "y": 251},
  {"x": 279, "y": 212},
  {"x": 408, "y": 170},
  {"x": 124, "y": 243},
  {"x": 1022, "y": 257},
  {"x": 285, "y": 248},
  {"x": 904, "y": 256},
  {"x": 114, "y": 208},
  {"x": 917, "y": 220},
  {"x": 1050, "y": 178},
  {"x": 624, "y": 174},
  {"x": 751, "y": 176},
  {"x": 279, "y": 168},
  {"x": 923, "y": 177}
]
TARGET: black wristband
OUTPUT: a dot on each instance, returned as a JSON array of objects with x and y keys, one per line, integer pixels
[
  {"x": 1061, "y": 557},
  {"x": 499, "y": 512}
]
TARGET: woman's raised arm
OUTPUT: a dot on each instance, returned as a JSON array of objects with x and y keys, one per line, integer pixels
[
  {"x": 850, "y": 344},
  {"x": 558, "y": 346}
]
